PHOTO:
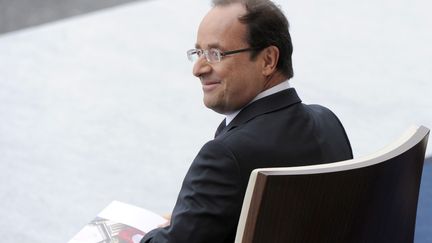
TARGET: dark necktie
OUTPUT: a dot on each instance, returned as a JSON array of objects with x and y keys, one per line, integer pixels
[{"x": 220, "y": 128}]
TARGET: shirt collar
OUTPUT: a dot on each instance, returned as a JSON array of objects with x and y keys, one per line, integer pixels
[{"x": 282, "y": 86}]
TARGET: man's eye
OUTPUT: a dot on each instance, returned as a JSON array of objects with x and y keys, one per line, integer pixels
[{"x": 214, "y": 52}]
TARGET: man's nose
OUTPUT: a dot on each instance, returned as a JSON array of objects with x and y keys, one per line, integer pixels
[{"x": 201, "y": 67}]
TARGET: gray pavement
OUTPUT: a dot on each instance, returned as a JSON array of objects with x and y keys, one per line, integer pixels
[
  {"x": 423, "y": 232},
  {"x": 19, "y": 14}
]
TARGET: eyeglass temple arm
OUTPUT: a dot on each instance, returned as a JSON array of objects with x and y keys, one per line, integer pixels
[{"x": 237, "y": 51}]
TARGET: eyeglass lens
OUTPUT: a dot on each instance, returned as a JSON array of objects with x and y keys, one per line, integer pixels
[{"x": 212, "y": 55}]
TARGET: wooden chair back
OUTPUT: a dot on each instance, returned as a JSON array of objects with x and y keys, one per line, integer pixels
[{"x": 371, "y": 199}]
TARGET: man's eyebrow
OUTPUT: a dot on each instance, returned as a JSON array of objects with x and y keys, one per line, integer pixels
[{"x": 212, "y": 45}]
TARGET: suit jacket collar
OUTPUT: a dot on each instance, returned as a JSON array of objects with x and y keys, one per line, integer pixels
[{"x": 262, "y": 106}]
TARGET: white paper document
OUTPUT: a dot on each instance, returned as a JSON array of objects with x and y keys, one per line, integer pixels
[{"x": 119, "y": 223}]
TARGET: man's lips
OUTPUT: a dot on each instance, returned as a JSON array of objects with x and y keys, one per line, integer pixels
[{"x": 209, "y": 85}]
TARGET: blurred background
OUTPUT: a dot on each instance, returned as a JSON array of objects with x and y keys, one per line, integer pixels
[{"x": 98, "y": 103}]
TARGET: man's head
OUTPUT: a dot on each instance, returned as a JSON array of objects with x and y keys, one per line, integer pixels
[{"x": 261, "y": 27}]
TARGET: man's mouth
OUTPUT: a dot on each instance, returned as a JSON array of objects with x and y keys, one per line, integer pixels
[{"x": 209, "y": 85}]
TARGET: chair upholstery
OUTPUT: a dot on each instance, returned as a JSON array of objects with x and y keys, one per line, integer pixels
[{"x": 370, "y": 199}]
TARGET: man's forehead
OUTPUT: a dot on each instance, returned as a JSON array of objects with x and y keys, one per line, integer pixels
[
  {"x": 236, "y": 9},
  {"x": 226, "y": 14},
  {"x": 219, "y": 25}
]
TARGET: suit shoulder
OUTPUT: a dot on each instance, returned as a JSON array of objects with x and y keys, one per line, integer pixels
[{"x": 216, "y": 152}]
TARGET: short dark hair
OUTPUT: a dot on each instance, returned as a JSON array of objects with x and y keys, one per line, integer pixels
[{"x": 266, "y": 26}]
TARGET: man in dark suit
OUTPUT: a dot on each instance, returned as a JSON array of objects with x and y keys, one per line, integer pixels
[{"x": 243, "y": 59}]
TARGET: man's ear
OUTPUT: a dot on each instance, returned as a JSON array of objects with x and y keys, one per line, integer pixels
[{"x": 270, "y": 57}]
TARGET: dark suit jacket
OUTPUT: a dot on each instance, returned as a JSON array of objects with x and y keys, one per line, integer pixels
[{"x": 275, "y": 131}]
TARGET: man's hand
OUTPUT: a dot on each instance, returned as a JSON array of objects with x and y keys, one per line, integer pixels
[{"x": 168, "y": 218}]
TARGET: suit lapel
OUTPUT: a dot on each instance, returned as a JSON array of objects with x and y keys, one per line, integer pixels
[{"x": 262, "y": 106}]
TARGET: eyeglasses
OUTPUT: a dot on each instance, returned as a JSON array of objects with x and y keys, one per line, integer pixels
[{"x": 212, "y": 55}]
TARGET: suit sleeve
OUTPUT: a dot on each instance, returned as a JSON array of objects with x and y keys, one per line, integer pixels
[{"x": 209, "y": 202}]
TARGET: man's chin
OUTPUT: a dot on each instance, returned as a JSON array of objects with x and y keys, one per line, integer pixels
[{"x": 214, "y": 106}]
